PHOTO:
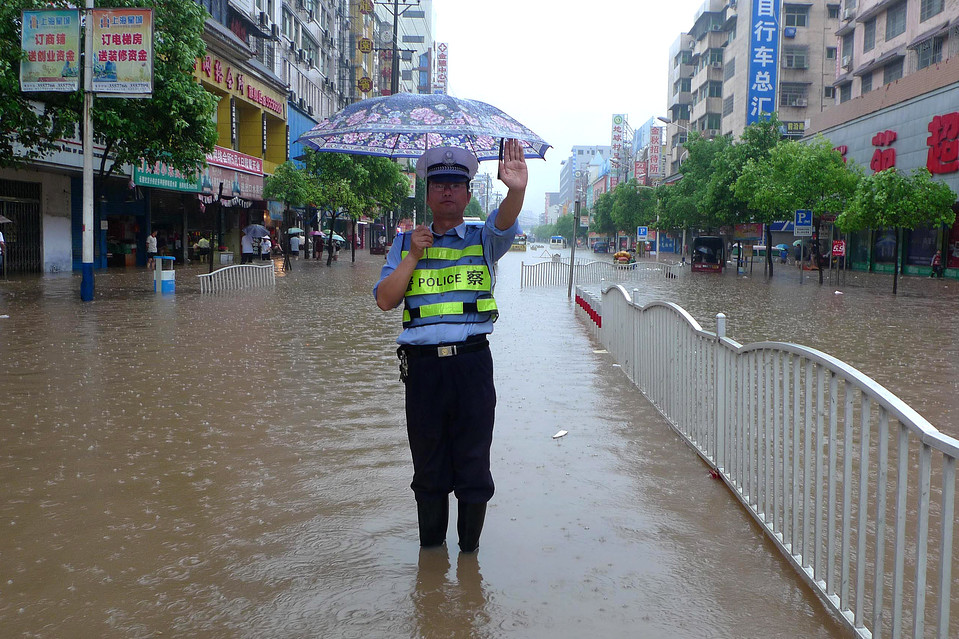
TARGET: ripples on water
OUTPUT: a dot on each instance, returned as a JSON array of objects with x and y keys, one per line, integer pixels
[{"x": 236, "y": 465}]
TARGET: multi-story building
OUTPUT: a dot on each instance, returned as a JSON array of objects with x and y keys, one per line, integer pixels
[
  {"x": 413, "y": 43},
  {"x": 896, "y": 91},
  {"x": 579, "y": 160},
  {"x": 711, "y": 83}
]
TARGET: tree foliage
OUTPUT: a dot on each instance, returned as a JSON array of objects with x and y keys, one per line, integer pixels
[
  {"x": 891, "y": 199},
  {"x": 175, "y": 126},
  {"x": 358, "y": 184},
  {"x": 290, "y": 185}
]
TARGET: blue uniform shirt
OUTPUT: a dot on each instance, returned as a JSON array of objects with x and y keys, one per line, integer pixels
[{"x": 495, "y": 244}]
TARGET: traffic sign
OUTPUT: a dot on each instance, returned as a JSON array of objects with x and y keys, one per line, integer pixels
[
  {"x": 641, "y": 233},
  {"x": 802, "y": 227}
]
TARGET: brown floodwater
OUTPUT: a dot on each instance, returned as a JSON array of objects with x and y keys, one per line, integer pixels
[{"x": 236, "y": 465}]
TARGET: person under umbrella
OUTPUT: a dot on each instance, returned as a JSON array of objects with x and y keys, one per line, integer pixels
[{"x": 443, "y": 276}]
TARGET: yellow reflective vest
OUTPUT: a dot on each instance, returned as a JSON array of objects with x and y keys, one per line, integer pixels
[{"x": 451, "y": 284}]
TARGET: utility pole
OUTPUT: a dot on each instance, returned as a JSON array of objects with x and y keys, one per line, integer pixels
[{"x": 394, "y": 62}]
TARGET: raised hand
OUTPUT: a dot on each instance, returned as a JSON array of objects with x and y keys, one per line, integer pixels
[{"x": 512, "y": 168}]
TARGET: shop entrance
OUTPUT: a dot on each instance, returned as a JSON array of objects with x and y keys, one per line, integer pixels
[{"x": 20, "y": 203}]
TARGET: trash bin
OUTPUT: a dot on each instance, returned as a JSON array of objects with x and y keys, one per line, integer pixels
[
  {"x": 226, "y": 257},
  {"x": 166, "y": 277}
]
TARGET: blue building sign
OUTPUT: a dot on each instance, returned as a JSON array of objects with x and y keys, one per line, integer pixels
[{"x": 763, "y": 60}]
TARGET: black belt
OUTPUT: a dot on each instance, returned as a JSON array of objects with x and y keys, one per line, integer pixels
[{"x": 477, "y": 343}]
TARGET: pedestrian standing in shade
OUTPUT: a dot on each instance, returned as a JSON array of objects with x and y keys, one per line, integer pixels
[
  {"x": 246, "y": 249},
  {"x": 443, "y": 275},
  {"x": 266, "y": 248},
  {"x": 151, "y": 249},
  {"x": 295, "y": 246},
  {"x": 936, "y": 265}
]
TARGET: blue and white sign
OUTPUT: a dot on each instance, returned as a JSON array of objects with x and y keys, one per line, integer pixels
[
  {"x": 763, "y": 60},
  {"x": 641, "y": 233},
  {"x": 803, "y": 223}
]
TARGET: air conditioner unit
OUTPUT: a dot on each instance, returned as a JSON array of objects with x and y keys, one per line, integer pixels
[
  {"x": 848, "y": 13},
  {"x": 309, "y": 109},
  {"x": 801, "y": 102},
  {"x": 847, "y": 61},
  {"x": 717, "y": 27},
  {"x": 300, "y": 55},
  {"x": 301, "y": 103},
  {"x": 264, "y": 20},
  {"x": 293, "y": 96},
  {"x": 711, "y": 133},
  {"x": 309, "y": 15},
  {"x": 275, "y": 31},
  {"x": 292, "y": 46},
  {"x": 716, "y": 65}
]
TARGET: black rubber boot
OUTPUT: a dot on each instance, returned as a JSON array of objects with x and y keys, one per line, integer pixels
[
  {"x": 434, "y": 517},
  {"x": 469, "y": 525}
]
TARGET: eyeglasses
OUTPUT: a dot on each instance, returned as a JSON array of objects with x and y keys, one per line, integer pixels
[{"x": 456, "y": 187}]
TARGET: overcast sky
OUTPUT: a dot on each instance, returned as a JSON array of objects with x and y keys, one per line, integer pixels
[{"x": 562, "y": 68}]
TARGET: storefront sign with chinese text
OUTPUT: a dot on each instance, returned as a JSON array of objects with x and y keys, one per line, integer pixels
[
  {"x": 763, "y": 60},
  {"x": 224, "y": 76},
  {"x": 943, "y": 142}
]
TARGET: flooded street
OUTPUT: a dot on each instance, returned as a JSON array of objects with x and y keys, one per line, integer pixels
[{"x": 236, "y": 465}]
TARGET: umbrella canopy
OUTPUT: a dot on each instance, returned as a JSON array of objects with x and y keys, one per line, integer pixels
[
  {"x": 255, "y": 230},
  {"x": 338, "y": 238},
  {"x": 5, "y": 220},
  {"x": 404, "y": 125},
  {"x": 797, "y": 242},
  {"x": 781, "y": 247},
  {"x": 293, "y": 230}
]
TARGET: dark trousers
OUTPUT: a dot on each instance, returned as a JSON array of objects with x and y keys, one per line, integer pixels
[
  {"x": 450, "y": 408},
  {"x": 246, "y": 258}
]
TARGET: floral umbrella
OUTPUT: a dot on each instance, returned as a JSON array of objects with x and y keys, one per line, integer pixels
[{"x": 406, "y": 124}]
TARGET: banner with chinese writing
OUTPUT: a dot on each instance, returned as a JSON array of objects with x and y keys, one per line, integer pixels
[
  {"x": 763, "y": 60},
  {"x": 123, "y": 52},
  {"x": 440, "y": 60},
  {"x": 51, "y": 41},
  {"x": 655, "y": 151},
  {"x": 617, "y": 142}
]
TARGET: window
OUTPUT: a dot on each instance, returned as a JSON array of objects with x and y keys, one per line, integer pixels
[
  {"x": 895, "y": 20},
  {"x": 869, "y": 35},
  {"x": 793, "y": 94},
  {"x": 830, "y": 53},
  {"x": 930, "y": 8},
  {"x": 685, "y": 84},
  {"x": 795, "y": 57},
  {"x": 287, "y": 24},
  {"x": 892, "y": 71},
  {"x": 797, "y": 15},
  {"x": 727, "y": 106},
  {"x": 845, "y": 92},
  {"x": 715, "y": 90},
  {"x": 847, "y": 44},
  {"x": 930, "y": 52},
  {"x": 829, "y": 92},
  {"x": 866, "y": 84},
  {"x": 729, "y": 69},
  {"x": 714, "y": 121},
  {"x": 833, "y": 10}
]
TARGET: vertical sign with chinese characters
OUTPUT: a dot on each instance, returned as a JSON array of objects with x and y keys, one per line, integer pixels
[
  {"x": 440, "y": 61},
  {"x": 763, "y": 60},
  {"x": 943, "y": 143},
  {"x": 51, "y": 41},
  {"x": 655, "y": 149},
  {"x": 123, "y": 52},
  {"x": 616, "y": 146}
]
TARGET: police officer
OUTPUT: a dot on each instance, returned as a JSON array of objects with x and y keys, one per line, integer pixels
[{"x": 443, "y": 275}]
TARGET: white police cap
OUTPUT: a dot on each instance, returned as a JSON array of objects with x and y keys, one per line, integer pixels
[{"x": 447, "y": 162}]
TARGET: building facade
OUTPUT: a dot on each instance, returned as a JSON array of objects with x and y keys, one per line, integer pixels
[
  {"x": 896, "y": 94},
  {"x": 715, "y": 67}
]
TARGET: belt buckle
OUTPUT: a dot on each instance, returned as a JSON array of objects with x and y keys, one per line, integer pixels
[{"x": 445, "y": 351}]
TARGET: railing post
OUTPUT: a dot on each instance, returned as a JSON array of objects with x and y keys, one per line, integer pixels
[{"x": 719, "y": 365}]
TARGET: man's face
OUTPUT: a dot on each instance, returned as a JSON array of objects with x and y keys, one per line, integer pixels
[{"x": 447, "y": 199}]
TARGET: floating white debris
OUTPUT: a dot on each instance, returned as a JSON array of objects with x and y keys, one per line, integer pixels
[
  {"x": 561, "y": 433},
  {"x": 838, "y": 292},
  {"x": 4, "y": 317},
  {"x": 602, "y": 350}
]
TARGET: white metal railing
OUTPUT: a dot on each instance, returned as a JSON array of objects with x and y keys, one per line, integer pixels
[
  {"x": 557, "y": 272},
  {"x": 238, "y": 276},
  {"x": 853, "y": 486}
]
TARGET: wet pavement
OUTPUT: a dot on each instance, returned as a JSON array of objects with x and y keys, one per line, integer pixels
[{"x": 236, "y": 465}]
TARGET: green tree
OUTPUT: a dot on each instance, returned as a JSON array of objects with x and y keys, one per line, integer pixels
[
  {"x": 473, "y": 209},
  {"x": 892, "y": 200},
  {"x": 633, "y": 206},
  {"x": 794, "y": 176},
  {"x": 722, "y": 202},
  {"x": 290, "y": 185},
  {"x": 602, "y": 216},
  {"x": 352, "y": 185},
  {"x": 175, "y": 126}
]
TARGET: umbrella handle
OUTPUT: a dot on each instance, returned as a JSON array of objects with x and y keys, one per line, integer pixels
[{"x": 498, "y": 174}]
